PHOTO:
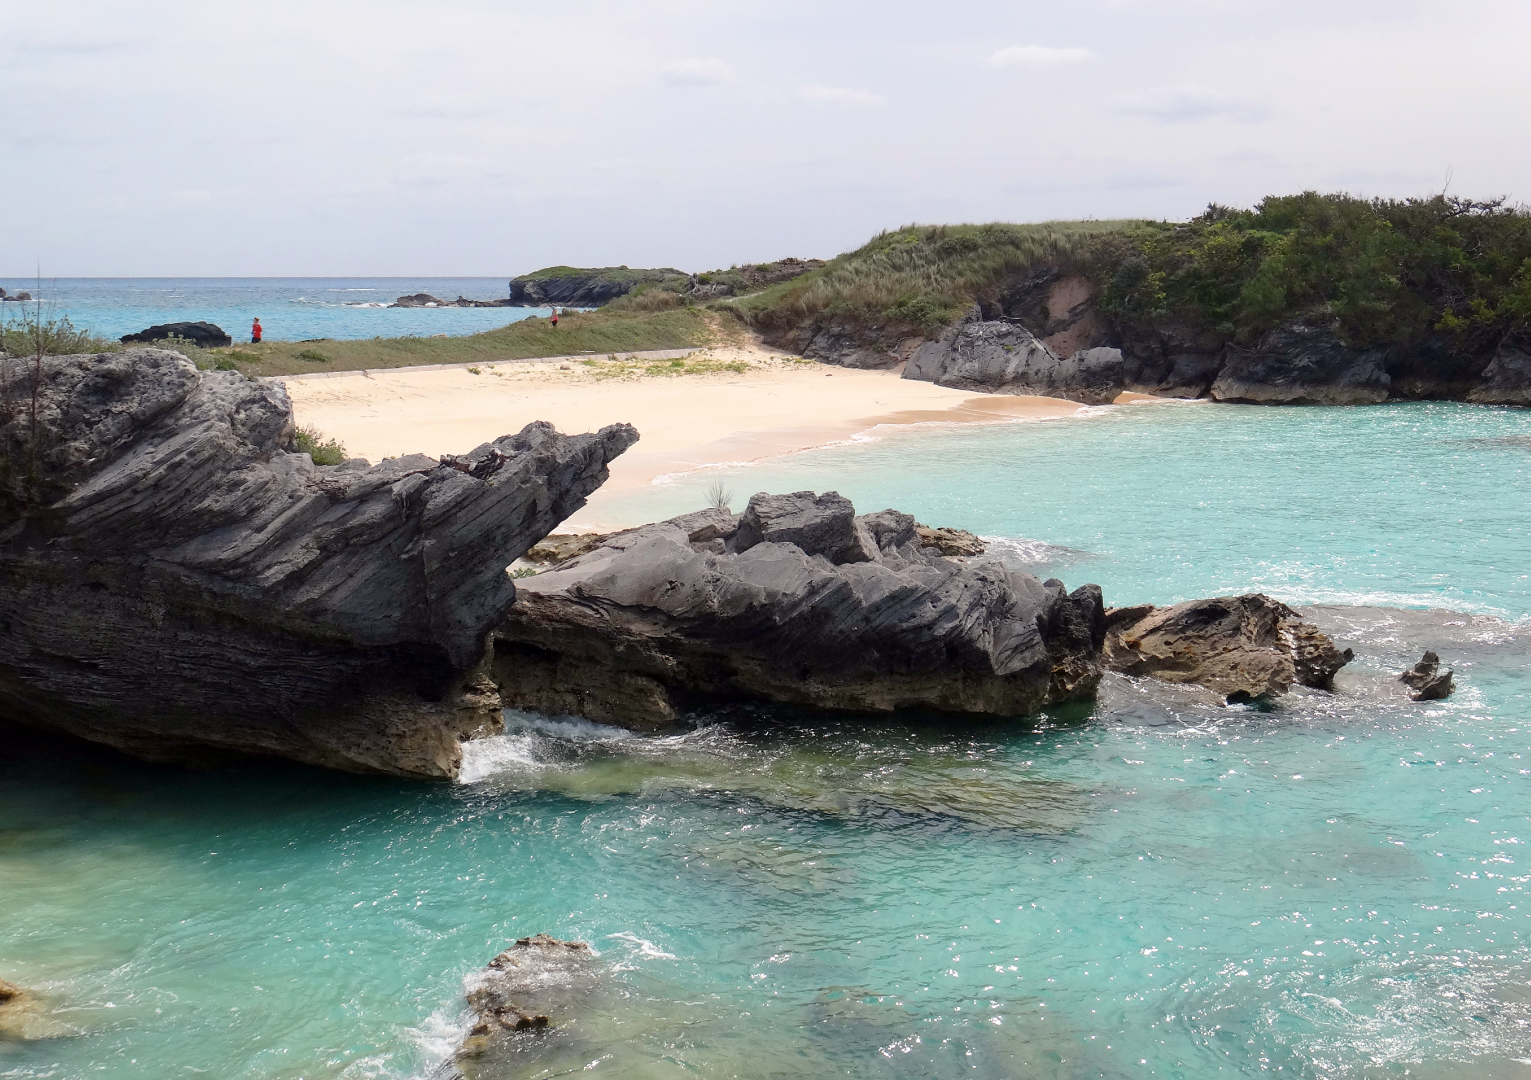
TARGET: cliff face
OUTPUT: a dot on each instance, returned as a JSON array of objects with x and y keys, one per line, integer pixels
[
  {"x": 1293, "y": 365},
  {"x": 177, "y": 582}
]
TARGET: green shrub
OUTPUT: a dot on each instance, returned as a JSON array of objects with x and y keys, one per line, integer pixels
[
  {"x": 1378, "y": 271},
  {"x": 323, "y": 451},
  {"x": 315, "y": 355},
  {"x": 30, "y": 331}
]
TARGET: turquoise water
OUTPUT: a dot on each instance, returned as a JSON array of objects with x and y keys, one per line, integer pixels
[
  {"x": 290, "y": 309},
  {"x": 1152, "y": 887}
]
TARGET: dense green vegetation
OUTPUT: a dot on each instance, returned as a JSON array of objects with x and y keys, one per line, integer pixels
[
  {"x": 1379, "y": 272},
  {"x": 665, "y": 275},
  {"x": 311, "y": 441},
  {"x": 923, "y": 276}
]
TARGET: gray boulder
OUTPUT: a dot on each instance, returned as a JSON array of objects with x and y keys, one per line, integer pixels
[
  {"x": 1240, "y": 647},
  {"x": 177, "y": 581},
  {"x": 1302, "y": 365},
  {"x": 1506, "y": 380},
  {"x": 1002, "y": 356},
  {"x": 794, "y": 601}
]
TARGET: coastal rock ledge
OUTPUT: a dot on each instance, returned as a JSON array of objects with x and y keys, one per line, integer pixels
[
  {"x": 799, "y": 601},
  {"x": 178, "y": 582}
]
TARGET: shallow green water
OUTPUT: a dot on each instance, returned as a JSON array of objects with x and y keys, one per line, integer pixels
[{"x": 1153, "y": 887}]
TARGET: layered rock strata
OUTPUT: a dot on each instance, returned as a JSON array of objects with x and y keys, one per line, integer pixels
[
  {"x": 797, "y": 600},
  {"x": 178, "y": 582},
  {"x": 1241, "y": 647}
]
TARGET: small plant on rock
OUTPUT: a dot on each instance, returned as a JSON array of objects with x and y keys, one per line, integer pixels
[{"x": 311, "y": 441}]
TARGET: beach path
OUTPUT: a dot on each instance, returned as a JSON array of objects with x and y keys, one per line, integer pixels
[{"x": 775, "y": 405}]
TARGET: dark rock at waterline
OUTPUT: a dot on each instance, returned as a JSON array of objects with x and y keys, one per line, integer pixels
[
  {"x": 15, "y": 297},
  {"x": 177, "y": 581},
  {"x": 204, "y": 335},
  {"x": 798, "y": 601},
  {"x": 1302, "y": 365},
  {"x": 1241, "y": 647},
  {"x": 1506, "y": 380},
  {"x": 1426, "y": 680},
  {"x": 426, "y": 300}
]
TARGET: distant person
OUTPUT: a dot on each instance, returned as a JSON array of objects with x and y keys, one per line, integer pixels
[
  {"x": 555, "y": 318},
  {"x": 255, "y": 332}
]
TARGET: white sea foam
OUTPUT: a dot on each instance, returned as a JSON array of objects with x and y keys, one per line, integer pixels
[
  {"x": 563, "y": 727},
  {"x": 646, "y": 949}
]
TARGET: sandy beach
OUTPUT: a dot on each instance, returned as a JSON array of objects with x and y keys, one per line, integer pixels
[{"x": 743, "y": 404}]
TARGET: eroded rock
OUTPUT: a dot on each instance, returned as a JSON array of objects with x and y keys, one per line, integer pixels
[
  {"x": 1240, "y": 647},
  {"x": 953, "y": 543},
  {"x": 178, "y": 582},
  {"x": 1426, "y": 680},
  {"x": 536, "y": 984},
  {"x": 797, "y": 601}
]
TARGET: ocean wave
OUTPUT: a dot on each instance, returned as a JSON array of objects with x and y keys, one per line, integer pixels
[{"x": 1026, "y": 553}]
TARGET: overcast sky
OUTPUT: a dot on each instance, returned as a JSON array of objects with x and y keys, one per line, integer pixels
[{"x": 480, "y": 137}]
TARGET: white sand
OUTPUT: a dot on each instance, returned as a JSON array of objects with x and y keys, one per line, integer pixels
[{"x": 686, "y": 421}]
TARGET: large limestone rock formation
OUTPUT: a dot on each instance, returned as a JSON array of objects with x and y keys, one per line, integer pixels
[
  {"x": 797, "y": 600},
  {"x": 1300, "y": 365},
  {"x": 177, "y": 581}
]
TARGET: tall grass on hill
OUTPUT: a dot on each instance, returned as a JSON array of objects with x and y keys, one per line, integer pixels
[{"x": 924, "y": 275}]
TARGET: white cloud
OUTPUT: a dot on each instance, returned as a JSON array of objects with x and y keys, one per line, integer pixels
[
  {"x": 840, "y": 95},
  {"x": 1038, "y": 56},
  {"x": 697, "y": 72},
  {"x": 1186, "y": 104}
]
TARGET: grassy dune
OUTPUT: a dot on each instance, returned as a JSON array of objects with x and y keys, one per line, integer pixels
[{"x": 595, "y": 332}]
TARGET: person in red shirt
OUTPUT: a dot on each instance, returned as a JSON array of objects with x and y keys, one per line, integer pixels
[
  {"x": 555, "y": 318},
  {"x": 255, "y": 332}
]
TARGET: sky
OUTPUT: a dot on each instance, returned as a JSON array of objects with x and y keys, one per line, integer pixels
[{"x": 282, "y": 138}]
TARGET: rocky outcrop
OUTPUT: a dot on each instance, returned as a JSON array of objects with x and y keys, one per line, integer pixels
[
  {"x": 1426, "y": 679},
  {"x": 426, "y": 300},
  {"x": 15, "y": 297},
  {"x": 1506, "y": 380},
  {"x": 797, "y": 600},
  {"x": 568, "y": 286},
  {"x": 956, "y": 543},
  {"x": 536, "y": 984},
  {"x": 204, "y": 335},
  {"x": 1002, "y": 356},
  {"x": 1241, "y": 647},
  {"x": 177, "y": 581},
  {"x": 1301, "y": 365}
]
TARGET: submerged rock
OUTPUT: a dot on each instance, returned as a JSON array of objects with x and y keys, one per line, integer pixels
[
  {"x": 1426, "y": 680},
  {"x": 534, "y": 985},
  {"x": 1241, "y": 647},
  {"x": 799, "y": 601},
  {"x": 178, "y": 582},
  {"x": 26, "y": 1016},
  {"x": 204, "y": 335}
]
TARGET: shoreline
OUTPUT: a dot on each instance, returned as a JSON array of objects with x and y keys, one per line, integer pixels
[{"x": 731, "y": 406}]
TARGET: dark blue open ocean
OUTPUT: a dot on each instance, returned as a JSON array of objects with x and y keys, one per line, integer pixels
[{"x": 290, "y": 309}]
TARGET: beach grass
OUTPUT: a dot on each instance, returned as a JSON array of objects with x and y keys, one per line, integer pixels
[{"x": 595, "y": 333}]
